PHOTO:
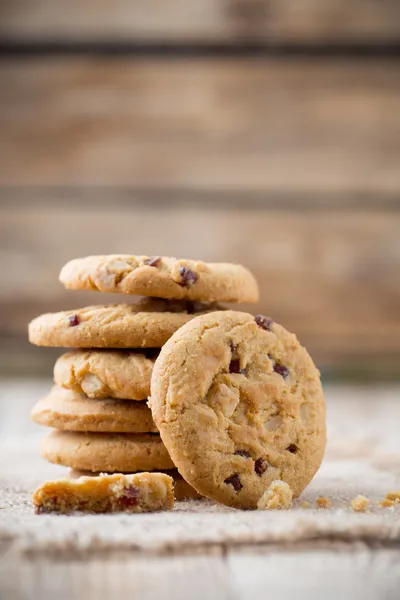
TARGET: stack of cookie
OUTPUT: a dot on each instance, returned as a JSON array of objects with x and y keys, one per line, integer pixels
[{"x": 98, "y": 405}]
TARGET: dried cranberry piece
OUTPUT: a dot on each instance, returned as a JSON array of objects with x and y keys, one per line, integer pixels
[
  {"x": 260, "y": 466},
  {"x": 234, "y": 367},
  {"x": 73, "y": 320},
  {"x": 281, "y": 370},
  {"x": 292, "y": 448},
  {"x": 188, "y": 276},
  {"x": 243, "y": 453},
  {"x": 234, "y": 481},
  {"x": 154, "y": 261},
  {"x": 264, "y": 322},
  {"x": 130, "y": 497}
]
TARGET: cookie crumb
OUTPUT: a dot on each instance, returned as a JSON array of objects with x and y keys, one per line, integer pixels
[
  {"x": 391, "y": 499},
  {"x": 305, "y": 504},
  {"x": 360, "y": 504},
  {"x": 394, "y": 496},
  {"x": 323, "y": 502},
  {"x": 385, "y": 503},
  {"x": 277, "y": 496}
]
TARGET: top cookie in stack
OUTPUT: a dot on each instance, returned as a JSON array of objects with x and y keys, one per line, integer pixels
[
  {"x": 161, "y": 276},
  {"x": 114, "y": 433}
]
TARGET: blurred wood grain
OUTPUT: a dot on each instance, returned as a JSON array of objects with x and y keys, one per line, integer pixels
[
  {"x": 204, "y": 21},
  {"x": 289, "y": 165},
  {"x": 330, "y": 275},
  {"x": 249, "y": 125}
]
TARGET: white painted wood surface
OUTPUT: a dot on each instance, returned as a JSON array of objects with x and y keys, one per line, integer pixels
[{"x": 366, "y": 417}]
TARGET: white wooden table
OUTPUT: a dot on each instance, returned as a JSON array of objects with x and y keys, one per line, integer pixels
[{"x": 362, "y": 422}]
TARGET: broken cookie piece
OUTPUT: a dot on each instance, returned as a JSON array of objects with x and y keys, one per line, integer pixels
[
  {"x": 278, "y": 495},
  {"x": 137, "y": 493}
]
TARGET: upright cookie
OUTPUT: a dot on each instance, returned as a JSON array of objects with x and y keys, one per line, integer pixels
[
  {"x": 239, "y": 404},
  {"x": 161, "y": 276},
  {"x": 106, "y": 452},
  {"x": 69, "y": 411},
  {"x": 105, "y": 373},
  {"x": 147, "y": 323},
  {"x": 142, "y": 492}
]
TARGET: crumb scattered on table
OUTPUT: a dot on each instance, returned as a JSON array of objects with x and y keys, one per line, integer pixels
[
  {"x": 305, "y": 504},
  {"x": 277, "y": 496},
  {"x": 323, "y": 502},
  {"x": 360, "y": 504},
  {"x": 394, "y": 495},
  {"x": 392, "y": 498}
]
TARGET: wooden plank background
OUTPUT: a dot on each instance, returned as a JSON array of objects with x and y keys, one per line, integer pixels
[
  {"x": 330, "y": 275},
  {"x": 288, "y": 164},
  {"x": 217, "y": 21},
  {"x": 259, "y": 125}
]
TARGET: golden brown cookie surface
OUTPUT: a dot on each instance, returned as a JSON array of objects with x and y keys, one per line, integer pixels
[
  {"x": 161, "y": 276},
  {"x": 146, "y": 323},
  {"x": 107, "y": 452},
  {"x": 138, "y": 493},
  {"x": 68, "y": 411},
  {"x": 182, "y": 490},
  {"x": 239, "y": 404},
  {"x": 105, "y": 373}
]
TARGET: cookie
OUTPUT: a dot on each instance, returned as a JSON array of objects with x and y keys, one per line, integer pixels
[
  {"x": 105, "y": 373},
  {"x": 277, "y": 496},
  {"x": 239, "y": 404},
  {"x": 148, "y": 323},
  {"x": 161, "y": 276},
  {"x": 107, "y": 452},
  {"x": 182, "y": 490},
  {"x": 142, "y": 492},
  {"x": 69, "y": 411}
]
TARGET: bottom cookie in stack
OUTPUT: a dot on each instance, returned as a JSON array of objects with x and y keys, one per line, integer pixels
[{"x": 104, "y": 435}]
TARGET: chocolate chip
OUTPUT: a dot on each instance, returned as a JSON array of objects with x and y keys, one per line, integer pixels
[
  {"x": 292, "y": 448},
  {"x": 154, "y": 261},
  {"x": 234, "y": 481},
  {"x": 260, "y": 466},
  {"x": 234, "y": 367},
  {"x": 188, "y": 276},
  {"x": 281, "y": 370},
  {"x": 130, "y": 496},
  {"x": 73, "y": 320},
  {"x": 264, "y": 322},
  {"x": 243, "y": 453}
]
